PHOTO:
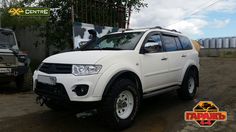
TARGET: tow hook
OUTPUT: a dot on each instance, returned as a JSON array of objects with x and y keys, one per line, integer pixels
[{"x": 41, "y": 100}]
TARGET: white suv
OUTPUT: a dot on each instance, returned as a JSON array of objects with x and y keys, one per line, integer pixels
[{"x": 117, "y": 71}]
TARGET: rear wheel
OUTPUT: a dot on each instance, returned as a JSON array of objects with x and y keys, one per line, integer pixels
[
  {"x": 121, "y": 105},
  {"x": 188, "y": 88}
]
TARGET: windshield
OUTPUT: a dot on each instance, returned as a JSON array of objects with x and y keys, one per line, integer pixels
[
  {"x": 121, "y": 41},
  {"x": 7, "y": 40}
]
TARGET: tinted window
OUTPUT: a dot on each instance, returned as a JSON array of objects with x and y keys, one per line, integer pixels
[
  {"x": 153, "y": 44},
  {"x": 7, "y": 39},
  {"x": 169, "y": 43},
  {"x": 179, "y": 46},
  {"x": 119, "y": 41},
  {"x": 186, "y": 44}
]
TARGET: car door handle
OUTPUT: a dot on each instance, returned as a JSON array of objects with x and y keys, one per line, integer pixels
[
  {"x": 164, "y": 59},
  {"x": 184, "y": 56}
]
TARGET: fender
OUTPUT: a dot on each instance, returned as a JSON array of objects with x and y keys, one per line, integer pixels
[
  {"x": 190, "y": 67},
  {"x": 186, "y": 66},
  {"x": 112, "y": 80},
  {"x": 121, "y": 73},
  {"x": 107, "y": 78}
]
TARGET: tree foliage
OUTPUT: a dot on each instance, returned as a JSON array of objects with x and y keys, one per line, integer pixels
[
  {"x": 14, "y": 22},
  {"x": 136, "y": 4},
  {"x": 58, "y": 26},
  {"x": 58, "y": 31},
  {"x": 112, "y": 13}
]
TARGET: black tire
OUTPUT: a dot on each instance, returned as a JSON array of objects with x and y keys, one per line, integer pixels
[
  {"x": 184, "y": 92},
  {"x": 109, "y": 104},
  {"x": 24, "y": 82}
]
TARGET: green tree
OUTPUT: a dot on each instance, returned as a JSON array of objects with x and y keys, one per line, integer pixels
[
  {"x": 14, "y": 22},
  {"x": 106, "y": 12},
  {"x": 58, "y": 30},
  {"x": 58, "y": 26}
]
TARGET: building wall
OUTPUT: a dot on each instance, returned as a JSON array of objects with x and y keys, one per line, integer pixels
[
  {"x": 30, "y": 42},
  {"x": 81, "y": 33}
]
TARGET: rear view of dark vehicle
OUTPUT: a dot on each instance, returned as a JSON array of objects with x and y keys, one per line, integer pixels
[{"x": 14, "y": 64}]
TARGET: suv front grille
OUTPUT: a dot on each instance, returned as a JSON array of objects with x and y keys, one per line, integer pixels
[
  {"x": 50, "y": 68},
  {"x": 7, "y": 59}
]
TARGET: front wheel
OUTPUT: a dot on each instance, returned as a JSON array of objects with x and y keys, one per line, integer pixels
[{"x": 120, "y": 106}]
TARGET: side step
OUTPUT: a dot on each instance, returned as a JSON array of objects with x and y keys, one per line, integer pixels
[{"x": 160, "y": 91}]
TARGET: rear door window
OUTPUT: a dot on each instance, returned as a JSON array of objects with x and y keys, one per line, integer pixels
[
  {"x": 179, "y": 46},
  {"x": 169, "y": 42},
  {"x": 186, "y": 43}
]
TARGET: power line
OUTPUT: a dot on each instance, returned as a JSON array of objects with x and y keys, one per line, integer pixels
[{"x": 196, "y": 11}]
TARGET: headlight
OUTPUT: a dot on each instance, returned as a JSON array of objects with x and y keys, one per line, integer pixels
[{"x": 81, "y": 70}]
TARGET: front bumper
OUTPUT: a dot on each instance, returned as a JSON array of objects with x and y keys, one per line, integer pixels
[
  {"x": 65, "y": 84},
  {"x": 11, "y": 73},
  {"x": 56, "y": 92},
  {"x": 14, "y": 71}
]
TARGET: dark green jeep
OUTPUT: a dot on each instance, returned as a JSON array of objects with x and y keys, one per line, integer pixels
[{"x": 14, "y": 64}]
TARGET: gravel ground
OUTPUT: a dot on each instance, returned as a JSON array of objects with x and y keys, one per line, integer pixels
[{"x": 164, "y": 113}]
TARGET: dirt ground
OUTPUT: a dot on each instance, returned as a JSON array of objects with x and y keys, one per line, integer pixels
[{"x": 164, "y": 113}]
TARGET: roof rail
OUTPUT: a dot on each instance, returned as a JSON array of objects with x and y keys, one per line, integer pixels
[
  {"x": 158, "y": 27},
  {"x": 171, "y": 30},
  {"x": 129, "y": 29}
]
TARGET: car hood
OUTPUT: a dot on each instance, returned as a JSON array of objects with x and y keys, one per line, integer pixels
[
  {"x": 81, "y": 57},
  {"x": 5, "y": 51}
]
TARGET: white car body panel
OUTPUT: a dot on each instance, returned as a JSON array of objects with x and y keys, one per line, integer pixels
[
  {"x": 79, "y": 57},
  {"x": 153, "y": 72}
]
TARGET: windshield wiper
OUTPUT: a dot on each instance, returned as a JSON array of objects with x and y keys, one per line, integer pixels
[
  {"x": 111, "y": 49},
  {"x": 102, "y": 49},
  {"x": 3, "y": 45},
  {"x": 88, "y": 49}
]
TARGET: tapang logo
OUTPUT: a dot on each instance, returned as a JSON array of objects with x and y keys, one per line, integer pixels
[
  {"x": 15, "y": 11},
  {"x": 205, "y": 114},
  {"x": 29, "y": 11}
]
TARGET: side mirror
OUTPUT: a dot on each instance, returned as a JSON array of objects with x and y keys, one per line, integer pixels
[
  {"x": 151, "y": 44},
  {"x": 82, "y": 43},
  {"x": 152, "y": 47}
]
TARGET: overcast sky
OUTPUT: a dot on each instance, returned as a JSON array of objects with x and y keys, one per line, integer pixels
[{"x": 218, "y": 20}]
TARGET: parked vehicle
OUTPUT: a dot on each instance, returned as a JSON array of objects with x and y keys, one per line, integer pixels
[
  {"x": 118, "y": 71},
  {"x": 14, "y": 64}
]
